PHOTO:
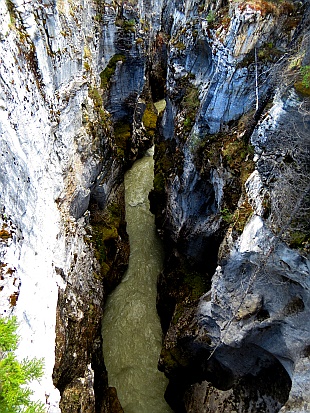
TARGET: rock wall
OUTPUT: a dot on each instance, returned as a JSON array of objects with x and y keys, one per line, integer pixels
[
  {"x": 231, "y": 195},
  {"x": 78, "y": 81},
  {"x": 63, "y": 238}
]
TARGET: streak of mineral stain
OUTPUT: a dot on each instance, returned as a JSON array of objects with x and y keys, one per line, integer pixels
[{"x": 131, "y": 330}]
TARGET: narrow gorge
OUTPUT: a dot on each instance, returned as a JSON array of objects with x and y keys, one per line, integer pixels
[
  {"x": 79, "y": 86},
  {"x": 131, "y": 331}
]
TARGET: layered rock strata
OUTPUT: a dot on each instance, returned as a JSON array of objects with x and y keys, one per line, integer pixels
[
  {"x": 231, "y": 196},
  {"x": 63, "y": 239},
  {"x": 231, "y": 190}
]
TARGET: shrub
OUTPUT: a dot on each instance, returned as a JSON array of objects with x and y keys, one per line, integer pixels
[{"x": 14, "y": 375}]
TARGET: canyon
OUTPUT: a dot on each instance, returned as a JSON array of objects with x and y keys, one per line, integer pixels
[{"x": 79, "y": 85}]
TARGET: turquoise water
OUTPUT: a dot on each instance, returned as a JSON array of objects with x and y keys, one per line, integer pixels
[{"x": 131, "y": 330}]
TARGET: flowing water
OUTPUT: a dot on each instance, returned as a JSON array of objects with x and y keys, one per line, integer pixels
[{"x": 131, "y": 330}]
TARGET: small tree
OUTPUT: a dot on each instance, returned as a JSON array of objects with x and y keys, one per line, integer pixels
[{"x": 15, "y": 375}]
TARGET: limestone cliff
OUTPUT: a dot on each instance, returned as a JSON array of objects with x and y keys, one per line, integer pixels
[
  {"x": 231, "y": 196},
  {"x": 63, "y": 239},
  {"x": 231, "y": 190}
]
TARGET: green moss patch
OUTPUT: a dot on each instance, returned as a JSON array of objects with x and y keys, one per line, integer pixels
[
  {"x": 105, "y": 231},
  {"x": 300, "y": 240},
  {"x": 103, "y": 116},
  {"x": 122, "y": 137},
  {"x": 163, "y": 163},
  {"x": 191, "y": 286},
  {"x": 129, "y": 26},
  {"x": 241, "y": 216},
  {"x": 149, "y": 119},
  {"x": 196, "y": 285},
  {"x": 190, "y": 104},
  {"x": 302, "y": 85},
  {"x": 236, "y": 155},
  {"x": 168, "y": 159},
  {"x": 12, "y": 11},
  {"x": 159, "y": 182},
  {"x": 108, "y": 72}
]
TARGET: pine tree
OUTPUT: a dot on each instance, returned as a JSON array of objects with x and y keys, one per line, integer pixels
[{"x": 14, "y": 375}]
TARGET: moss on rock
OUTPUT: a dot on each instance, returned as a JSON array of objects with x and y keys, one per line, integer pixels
[
  {"x": 189, "y": 105},
  {"x": 122, "y": 137},
  {"x": 149, "y": 119},
  {"x": 109, "y": 71},
  {"x": 108, "y": 231},
  {"x": 167, "y": 158}
]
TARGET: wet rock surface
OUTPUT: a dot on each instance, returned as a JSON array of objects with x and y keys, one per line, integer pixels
[
  {"x": 219, "y": 356},
  {"x": 231, "y": 192}
]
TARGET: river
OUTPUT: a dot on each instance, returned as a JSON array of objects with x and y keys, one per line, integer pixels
[{"x": 131, "y": 330}]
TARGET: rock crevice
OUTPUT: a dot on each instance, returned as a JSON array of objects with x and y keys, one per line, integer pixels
[{"x": 231, "y": 191}]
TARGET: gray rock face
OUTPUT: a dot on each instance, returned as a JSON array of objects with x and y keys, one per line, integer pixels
[
  {"x": 265, "y": 309},
  {"x": 60, "y": 158},
  {"x": 55, "y": 150},
  {"x": 241, "y": 336},
  {"x": 216, "y": 60}
]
